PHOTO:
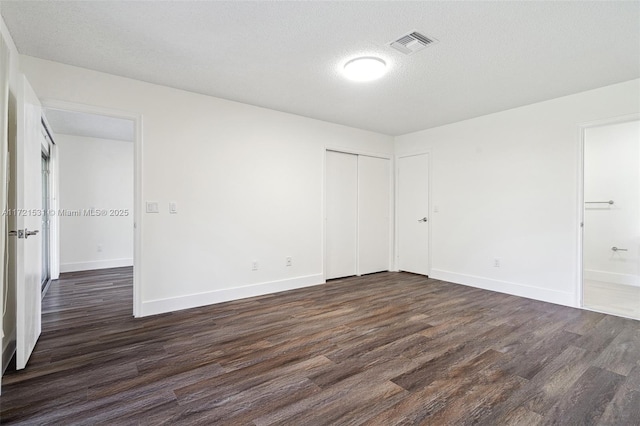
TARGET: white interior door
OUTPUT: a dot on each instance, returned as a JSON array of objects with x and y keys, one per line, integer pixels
[
  {"x": 373, "y": 214},
  {"x": 341, "y": 214},
  {"x": 25, "y": 251},
  {"x": 413, "y": 214}
]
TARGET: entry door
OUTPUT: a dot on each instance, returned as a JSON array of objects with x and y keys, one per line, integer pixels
[
  {"x": 413, "y": 214},
  {"x": 342, "y": 214},
  {"x": 25, "y": 221}
]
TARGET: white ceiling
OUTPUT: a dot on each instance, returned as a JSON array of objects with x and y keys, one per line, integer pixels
[
  {"x": 90, "y": 125},
  {"x": 491, "y": 56}
]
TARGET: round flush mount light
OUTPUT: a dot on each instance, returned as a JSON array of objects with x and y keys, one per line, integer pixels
[{"x": 365, "y": 68}]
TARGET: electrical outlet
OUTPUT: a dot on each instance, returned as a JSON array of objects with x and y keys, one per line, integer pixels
[
  {"x": 254, "y": 265},
  {"x": 99, "y": 247},
  {"x": 288, "y": 261},
  {"x": 152, "y": 207},
  {"x": 496, "y": 262}
]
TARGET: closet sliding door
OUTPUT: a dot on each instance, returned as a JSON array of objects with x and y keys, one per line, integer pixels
[
  {"x": 341, "y": 214},
  {"x": 357, "y": 214},
  {"x": 373, "y": 214}
]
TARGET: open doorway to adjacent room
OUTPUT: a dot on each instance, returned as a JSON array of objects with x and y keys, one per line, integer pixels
[
  {"x": 611, "y": 217},
  {"x": 92, "y": 209}
]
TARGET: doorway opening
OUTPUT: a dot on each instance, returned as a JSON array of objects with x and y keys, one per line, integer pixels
[
  {"x": 97, "y": 180},
  {"x": 611, "y": 217},
  {"x": 79, "y": 183}
]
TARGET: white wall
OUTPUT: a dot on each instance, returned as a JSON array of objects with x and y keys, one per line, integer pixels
[
  {"x": 248, "y": 183},
  {"x": 506, "y": 186},
  {"x": 95, "y": 174},
  {"x": 612, "y": 172}
]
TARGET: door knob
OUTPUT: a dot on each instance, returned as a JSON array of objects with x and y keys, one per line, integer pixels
[
  {"x": 424, "y": 219},
  {"x": 19, "y": 233},
  {"x": 23, "y": 233},
  {"x": 27, "y": 233}
]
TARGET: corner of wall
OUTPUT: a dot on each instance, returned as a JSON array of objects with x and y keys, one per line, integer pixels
[{"x": 4, "y": 30}]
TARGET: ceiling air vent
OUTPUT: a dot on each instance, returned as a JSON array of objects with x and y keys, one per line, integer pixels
[{"x": 412, "y": 42}]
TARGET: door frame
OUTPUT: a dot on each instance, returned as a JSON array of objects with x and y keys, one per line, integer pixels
[
  {"x": 137, "y": 182},
  {"x": 54, "y": 252},
  {"x": 582, "y": 127},
  {"x": 396, "y": 249},
  {"x": 49, "y": 152},
  {"x": 351, "y": 151}
]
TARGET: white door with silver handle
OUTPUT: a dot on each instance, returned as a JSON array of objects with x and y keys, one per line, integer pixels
[
  {"x": 413, "y": 201},
  {"x": 25, "y": 253}
]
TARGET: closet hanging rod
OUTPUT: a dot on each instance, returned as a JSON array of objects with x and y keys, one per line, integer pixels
[{"x": 599, "y": 202}]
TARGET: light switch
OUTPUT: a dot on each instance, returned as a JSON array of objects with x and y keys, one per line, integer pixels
[
  {"x": 173, "y": 207},
  {"x": 152, "y": 207}
]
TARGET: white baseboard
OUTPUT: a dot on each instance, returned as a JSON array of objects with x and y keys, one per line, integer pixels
[
  {"x": 612, "y": 277},
  {"x": 95, "y": 264},
  {"x": 530, "y": 292},
  {"x": 160, "y": 306},
  {"x": 8, "y": 349}
]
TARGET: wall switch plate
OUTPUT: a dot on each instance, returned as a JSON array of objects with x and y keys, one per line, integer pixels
[
  {"x": 173, "y": 207},
  {"x": 152, "y": 207},
  {"x": 496, "y": 262},
  {"x": 254, "y": 265},
  {"x": 288, "y": 261}
]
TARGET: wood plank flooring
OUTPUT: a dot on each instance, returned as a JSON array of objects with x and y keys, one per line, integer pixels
[{"x": 383, "y": 349}]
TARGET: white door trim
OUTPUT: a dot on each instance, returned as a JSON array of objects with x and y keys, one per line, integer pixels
[
  {"x": 49, "y": 149},
  {"x": 582, "y": 127},
  {"x": 137, "y": 183}
]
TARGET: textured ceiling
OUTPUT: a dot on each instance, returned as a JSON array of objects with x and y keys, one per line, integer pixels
[
  {"x": 90, "y": 125},
  {"x": 491, "y": 56}
]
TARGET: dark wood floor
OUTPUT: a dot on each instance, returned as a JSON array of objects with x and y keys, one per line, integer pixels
[{"x": 390, "y": 348}]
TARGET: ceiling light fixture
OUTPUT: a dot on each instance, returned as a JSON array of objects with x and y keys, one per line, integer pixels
[{"x": 365, "y": 68}]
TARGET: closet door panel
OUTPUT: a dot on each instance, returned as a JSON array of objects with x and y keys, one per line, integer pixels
[
  {"x": 373, "y": 214},
  {"x": 341, "y": 214}
]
